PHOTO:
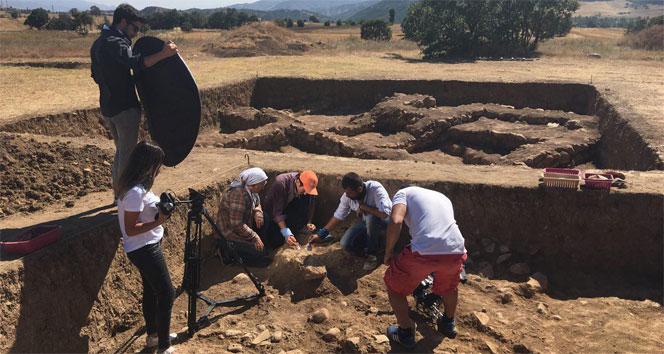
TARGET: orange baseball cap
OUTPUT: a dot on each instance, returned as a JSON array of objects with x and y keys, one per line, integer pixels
[{"x": 309, "y": 181}]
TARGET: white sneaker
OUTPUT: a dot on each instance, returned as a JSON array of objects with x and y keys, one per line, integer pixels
[
  {"x": 371, "y": 263},
  {"x": 169, "y": 350},
  {"x": 151, "y": 342}
]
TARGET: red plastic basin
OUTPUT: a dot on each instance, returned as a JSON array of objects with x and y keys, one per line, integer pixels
[{"x": 31, "y": 239}]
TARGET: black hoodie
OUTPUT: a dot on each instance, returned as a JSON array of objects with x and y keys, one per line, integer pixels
[{"x": 112, "y": 60}]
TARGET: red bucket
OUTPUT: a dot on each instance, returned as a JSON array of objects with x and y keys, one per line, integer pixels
[{"x": 31, "y": 239}]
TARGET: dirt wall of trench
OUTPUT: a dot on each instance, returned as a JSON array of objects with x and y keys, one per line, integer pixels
[
  {"x": 361, "y": 95},
  {"x": 71, "y": 295},
  {"x": 90, "y": 123},
  {"x": 624, "y": 142},
  {"x": 556, "y": 230}
]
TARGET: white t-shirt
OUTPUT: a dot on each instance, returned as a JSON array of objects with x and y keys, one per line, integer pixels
[
  {"x": 375, "y": 197},
  {"x": 138, "y": 199},
  {"x": 430, "y": 219}
]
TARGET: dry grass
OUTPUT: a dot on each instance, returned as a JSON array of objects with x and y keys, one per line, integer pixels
[
  {"x": 604, "y": 41},
  {"x": 33, "y": 91},
  {"x": 33, "y": 44},
  {"x": 616, "y": 8}
]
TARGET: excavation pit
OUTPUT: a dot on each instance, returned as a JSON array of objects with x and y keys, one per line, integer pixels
[{"x": 601, "y": 252}]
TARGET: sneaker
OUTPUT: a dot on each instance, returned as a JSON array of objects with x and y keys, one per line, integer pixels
[
  {"x": 405, "y": 338},
  {"x": 169, "y": 350},
  {"x": 371, "y": 263},
  {"x": 152, "y": 342},
  {"x": 446, "y": 327}
]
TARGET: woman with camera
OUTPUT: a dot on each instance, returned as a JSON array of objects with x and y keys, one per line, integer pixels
[
  {"x": 140, "y": 223},
  {"x": 240, "y": 214}
]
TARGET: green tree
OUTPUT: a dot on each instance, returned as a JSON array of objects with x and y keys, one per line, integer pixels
[
  {"x": 339, "y": 23},
  {"x": 300, "y": 23},
  {"x": 327, "y": 23},
  {"x": 64, "y": 22},
  {"x": 314, "y": 19},
  {"x": 14, "y": 13},
  {"x": 376, "y": 29},
  {"x": 82, "y": 19},
  {"x": 289, "y": 23},
  {"x": 197, "y": 19},
  {"x": 392, "y": 14},
  {"x": 466, "y": 28},
  {"x": 95, "y": 11},
  {"x": 37, "y": 18},
  {"x": 186, "y": 26}
]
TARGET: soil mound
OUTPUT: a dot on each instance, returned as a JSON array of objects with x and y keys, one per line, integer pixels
[
  {"x": 258, "y": 39},
  {"x": 36, "y": 174}
]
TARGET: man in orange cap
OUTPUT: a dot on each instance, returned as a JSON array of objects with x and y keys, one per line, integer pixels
[{"x": 289, "y": 205}]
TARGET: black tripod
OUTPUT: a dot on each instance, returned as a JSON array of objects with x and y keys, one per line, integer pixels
[{"x": 192, "y": 260}]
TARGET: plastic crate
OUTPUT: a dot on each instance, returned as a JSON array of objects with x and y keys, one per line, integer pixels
[
  {"x": 598, "y": 183},
  {"x": 31, "y": 240},
  {"x": 561, "y": 177}
]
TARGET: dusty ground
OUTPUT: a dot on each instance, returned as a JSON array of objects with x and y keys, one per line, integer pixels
[
  {"x": 494, "y": 316},
  {"x": 498, "y": 312}
]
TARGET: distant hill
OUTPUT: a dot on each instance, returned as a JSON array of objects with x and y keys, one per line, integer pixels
[
  {"x": 58, "y": 6},
  {"x": 381, "y": 10},
  {"x": 266, "y": 15},
  {"x": 262, "y": 5},
  {"x": 330, "y": 8}
]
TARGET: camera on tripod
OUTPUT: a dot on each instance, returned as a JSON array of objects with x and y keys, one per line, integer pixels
[{"x": 193, "y": 256}]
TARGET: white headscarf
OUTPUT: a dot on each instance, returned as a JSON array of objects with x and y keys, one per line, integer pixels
[{"x": 248, "y": 178}]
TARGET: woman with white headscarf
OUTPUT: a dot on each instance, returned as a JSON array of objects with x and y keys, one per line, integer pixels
[{"x": 240, "y": 214}]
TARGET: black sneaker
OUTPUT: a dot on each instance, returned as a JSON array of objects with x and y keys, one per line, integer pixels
[
  {"x": 446, "y": 326},
  {"x": 404, "y": 337}
]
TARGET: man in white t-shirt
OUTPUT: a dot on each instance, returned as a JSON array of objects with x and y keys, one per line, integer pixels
[
  {"x": 436, "y": 247},
  {"x": 370, "y": 201}
]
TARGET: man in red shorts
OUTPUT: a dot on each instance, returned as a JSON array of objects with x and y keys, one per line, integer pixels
[{"x": 436, "y": 247}]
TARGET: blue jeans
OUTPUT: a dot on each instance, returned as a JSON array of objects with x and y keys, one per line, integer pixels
[{"x": 364, "y": 237}]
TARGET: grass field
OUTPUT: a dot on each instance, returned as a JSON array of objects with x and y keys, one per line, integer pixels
[
  {"x": 616, "y": 8},
  {"x": 26, "y": 91}
]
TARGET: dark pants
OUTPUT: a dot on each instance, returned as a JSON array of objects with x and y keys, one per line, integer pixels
[
  {"x": 158, "y": 292},
  {"x": 246, "y": 251},
  {"x": 297, "y": 217}
]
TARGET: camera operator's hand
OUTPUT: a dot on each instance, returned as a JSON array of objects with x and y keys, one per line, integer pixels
[
  {"x": 161, "y": 217},
  {"x": 258, "y": 244}
]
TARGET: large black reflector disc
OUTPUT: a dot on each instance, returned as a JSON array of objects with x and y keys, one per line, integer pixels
[{"x": 171, "y": 101}]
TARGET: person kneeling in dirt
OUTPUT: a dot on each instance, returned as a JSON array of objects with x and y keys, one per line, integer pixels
[
  {"x": 289, "y": 205},
  {"x": 240, "y": 214},
  {"x": 140, "y": 224},
  {"x": 371, "y": 202},
  {"x": 437, "y": 246}
]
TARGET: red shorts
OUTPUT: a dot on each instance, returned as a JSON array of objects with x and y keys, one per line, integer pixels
[{"x": 408, "y": 269}]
